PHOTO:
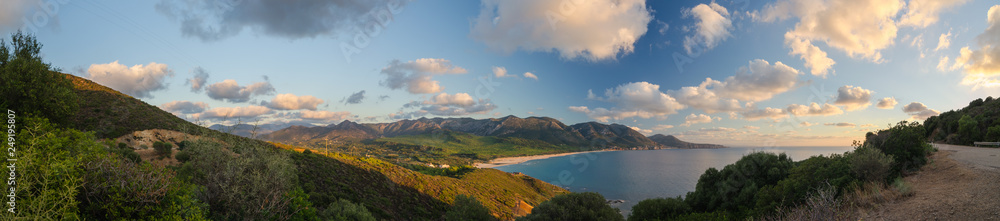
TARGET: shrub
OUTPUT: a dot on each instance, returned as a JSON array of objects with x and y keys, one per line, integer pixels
[
  {"x": 163, "y": 149},
  {"x": 255, "y": 184},
  {"x": 735, "y": 186},
  {"x": 870, "y": 164},
  {"x": 468, "y": 208},
  {"x": 31, "y": 86},
  {"x": 808, "y": 175},
  {"x": 50, "y": 160},
  {"x": 121, "y": 189},
  {"x": 347, "y": 211},
  {"x": 968, "y": 129},
  {"x": 183, "y": 144},
  {"x": 659, "y": 209},
  {"x": 904, "y": 142},
  {"x": 574, "y": 206},
  {"x": 183, "y": 156},
  {"x": 993, "y": 134}
]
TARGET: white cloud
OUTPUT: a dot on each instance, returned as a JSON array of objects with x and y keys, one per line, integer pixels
[
  {"x": 712, "y": 26},
  {"x": 184, "y": 107},
  {"x": 640, "y": 130},
  {"x": 229, "y": 90},
  {"x": 137, "y": 81},
  {"x": 13, "y": 11},
  {"x": 943, "y": 64},
  {"x": 757, "y": 114},
  {"x": 887, "y": 103},
  {"x": 662, "y": 127},
  {"x": 292, "y": 102},
  {"x": 416, "y": 76},
  {"x": 595, "y": 30},
  {"x": 813, "y": 109},
  {"x": 233, "y": 112},
  {"x": 757, "y": 81},
  {"x": 500, "y": 72},
  {"x": 445, "y": 104},
  {"x": 943, "y": 42},
  {"x": 806, "y": 124},
  {"x": 637, "y": 99},
  {"x": 922, "y": 13},
  {"x": 859, "y": 28},
  {"x": 530, "y": 75},
  {"x": 982, "y": 65},
  {"x": 841, "y": 124},
  {"x": 919, "y": 111},
  {"x": 199, "y": 80},
  {"x": 696, "y": 119},
  {"x": 707, "y": 131},
  {"x": 853, "y": 98}
]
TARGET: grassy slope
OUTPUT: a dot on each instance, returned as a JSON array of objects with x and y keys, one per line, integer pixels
[
  {"x": 394, "y": 192},
  {"x": 485, "y": 147},
  {"x": 390, "y": 191}
]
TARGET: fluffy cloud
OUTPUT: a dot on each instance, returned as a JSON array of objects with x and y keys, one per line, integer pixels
[
  {"x": 712, "y": 26},
  {"x": 943, "y": 42},
  {"x": 922, "y": 13},
  {"x": 594, "y": 30},
  {"x": 707, "y": 131},
  {"x": 637, "y": 99},
  {"x": 355, "y": 98},
  {"x": 184, "y": 107},
  {"x": 982, "y": 66},
  {"x": 919, "y": 111},
  {"x": 530, "y": 75},
  {"x": 233, "y": 112},
  {"x": 841, "y": 124},
  {"x": 696, "y": 119},
  {"x": 663, "y": 127},
  {"x": 640, "y": 130},
  {"x": 887, "y": 103},
  {"x": 229, "y": 90},
  {"x": 757, "y": 81},
  {"x": 217, "y": 20},
  {"x": 813, "y": 109},
  {"x": 292, "y": 102},
  {"x": 416, "y": 76},
  {"x": 806, "y": 124},
  {"x": 757, "y": 114},
  {"x": 138, "y": 80},
  {"x": 198, "y": 81},
  {"x": 500, "y": 72},
  {"x": 445, "y": 104},
  {"x": 853, "y": 98},
  {"x": 860, "y": 28}
]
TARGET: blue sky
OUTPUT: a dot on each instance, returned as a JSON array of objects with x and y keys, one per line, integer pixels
[{"x": 606, "y": 61}]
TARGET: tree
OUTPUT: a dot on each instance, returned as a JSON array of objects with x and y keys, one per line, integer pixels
[
  {"x": 347, "y": 211},
  {"x": 468, "y": 208},
  {"x": 659, "y": 209},
  {"x": 968, "y": 128},
  {"x": 163, "y": 149},
  {"x": 993, "y": 134},
  {"x": 30, "y": 86},
  {"x": 574, "y": 206}
]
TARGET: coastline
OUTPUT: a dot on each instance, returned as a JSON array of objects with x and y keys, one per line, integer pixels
[{"x": 504, "y": 161}]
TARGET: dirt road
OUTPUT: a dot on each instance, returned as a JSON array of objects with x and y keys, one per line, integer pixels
[{"x": 960, "y": 183}]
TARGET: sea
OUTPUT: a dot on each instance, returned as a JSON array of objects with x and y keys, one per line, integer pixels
[{"x": 635, "y": 175}]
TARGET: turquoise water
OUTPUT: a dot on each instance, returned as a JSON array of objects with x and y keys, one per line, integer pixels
[{"x": 641, "y": 174}]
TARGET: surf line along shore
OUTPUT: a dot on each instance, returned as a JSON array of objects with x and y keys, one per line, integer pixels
[{"x": 503, "y": 161}]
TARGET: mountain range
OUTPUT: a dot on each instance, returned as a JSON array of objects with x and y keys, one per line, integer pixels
[{"x": 590, "y": 134}]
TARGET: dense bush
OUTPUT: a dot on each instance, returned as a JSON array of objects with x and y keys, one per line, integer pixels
[
  {"x": 468, "y": 208},
  {"x": 805, "y": 177},
  {"x": 163, "y": 149},
  {"x": 905, "y": 142},
  {"x": 734, "y": 187},
  {"x": 968, "y": 130},
  {"x": 126, "y": 153},
  {"x": 117, "y": 189},
  {"x": 30, "y": 86},
  {"x": 347, "y": 211},
  {"x": 870, "y": 164},
  {"x": 253, "y": 184},
  {"x": 659, "y": 209},
  {"x": 574, "y": 206},
  {"x": 993, "y": 134}
]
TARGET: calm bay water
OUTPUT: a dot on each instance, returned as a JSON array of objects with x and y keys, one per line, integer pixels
[{"x": 636, "y": 175}]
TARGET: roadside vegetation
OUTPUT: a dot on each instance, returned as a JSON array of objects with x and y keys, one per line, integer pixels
[{"x": 978, "y": 122}]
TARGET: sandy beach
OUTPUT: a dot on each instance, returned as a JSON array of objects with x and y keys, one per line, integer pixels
[{"x": 516, "y": 160}]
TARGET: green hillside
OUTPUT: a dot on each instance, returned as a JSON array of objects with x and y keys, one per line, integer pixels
[
  {"x": 980, "y": 121},
  {"x": 450, "y": 143}
]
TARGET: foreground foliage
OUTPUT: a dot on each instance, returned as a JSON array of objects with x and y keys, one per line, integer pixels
[{"x": 574, "y": 206}]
